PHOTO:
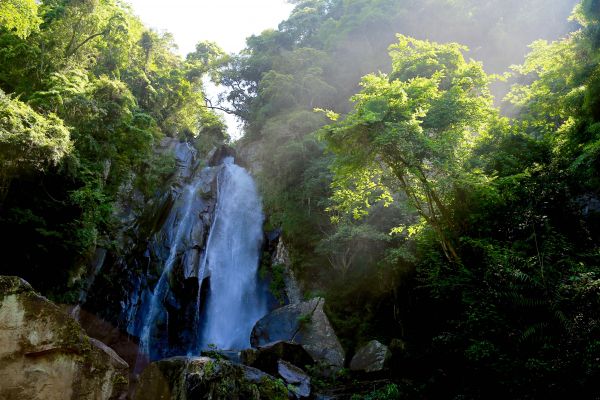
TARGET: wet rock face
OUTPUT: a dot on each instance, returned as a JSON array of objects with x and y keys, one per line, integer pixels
[
  {"x": 198, "y": 378},
  {"x": 122, "y": 292},
  {"x": 372, "y": 357},
  {"x": 249, "y": 156},
  {"x": 305, "y": 323},
  {"x": 45, "y": 355},
  {"x": 292, "y": 288},
  {"x": 218, "y": 155}
]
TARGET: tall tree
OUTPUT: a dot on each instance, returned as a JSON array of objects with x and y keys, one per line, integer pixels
[{"x": 411, "y": 130}]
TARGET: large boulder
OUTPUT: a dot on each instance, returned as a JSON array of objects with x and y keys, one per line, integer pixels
[
  {"x": 266, "y": 358},
  {"x": 372, "y": 357},
  {"x": 198, "y": 378},
  {"x": 305, "y": 323},
  {"x": 45, "y": 354}
]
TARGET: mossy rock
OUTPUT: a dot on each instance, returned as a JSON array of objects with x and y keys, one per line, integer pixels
[{"x": 198, "y": 378}]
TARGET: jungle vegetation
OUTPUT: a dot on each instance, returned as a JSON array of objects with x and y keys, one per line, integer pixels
[{"x": 434, "y": 166}]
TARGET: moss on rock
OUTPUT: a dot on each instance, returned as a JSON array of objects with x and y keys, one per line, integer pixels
[{"x": 182, "y": 378}]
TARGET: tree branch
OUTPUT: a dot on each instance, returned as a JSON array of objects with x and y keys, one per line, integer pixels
[{"x": 225, "y": 110}]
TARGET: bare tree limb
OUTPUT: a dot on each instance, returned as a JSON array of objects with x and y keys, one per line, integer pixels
[{"x": 225, "y": 110}]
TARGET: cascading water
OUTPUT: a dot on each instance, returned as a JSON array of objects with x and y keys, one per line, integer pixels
[
  {"x": 231, "y": 259},
  {"x": 208, "y": 292}
]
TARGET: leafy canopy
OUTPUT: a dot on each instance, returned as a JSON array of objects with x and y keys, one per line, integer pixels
[{"x": 411, "y": 131}]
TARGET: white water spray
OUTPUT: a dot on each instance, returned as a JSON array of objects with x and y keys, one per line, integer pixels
[{"x": 231, "y": 260}]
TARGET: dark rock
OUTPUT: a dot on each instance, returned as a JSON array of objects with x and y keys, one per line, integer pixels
[
  {"x": 295, "y": 377},
  {"x": 372, "y": 357},
  {"x": 221, "y": 153},
  {"x": 45, "y": 354},
  {"x": 107, "y": 333},
  {"x": 249, "y": 156},
  {"x": 589, "y": 204},
  {"x": 266, "y": 357},
  {"x": 198, "y": 378},
  {"x": 306, "y": 324},
  {"x": 248, "y": 356}
]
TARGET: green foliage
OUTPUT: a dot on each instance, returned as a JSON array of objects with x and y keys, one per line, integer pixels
[
  {"x": 561, "y": 104},
  {"x": 389, "y": 392},
  {"x": 425, "y": 141},
  {"x": 411, "y": 131},
  {"x": 90, "y": 93},
  {"x": 463, "y": 232},
  {"x": 29, "y": 141},
  {"x": 273, "y": 389},
  {"x": 277, "y": 284},
  {"x": 275, "y": 275},
  {"x": 20, "y": 16},
  {"x": 304, "y": 319}
]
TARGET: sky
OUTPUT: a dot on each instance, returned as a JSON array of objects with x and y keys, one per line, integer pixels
[{"x": 227, "y": 22}]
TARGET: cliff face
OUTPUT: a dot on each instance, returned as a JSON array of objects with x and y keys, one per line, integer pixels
[
  {"x": 46, "y": 355},
  {"x": 170, "y": 228}
]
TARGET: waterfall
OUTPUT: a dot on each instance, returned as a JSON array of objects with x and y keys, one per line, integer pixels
[
  {"x": 231, "y": 260},
  {"x": 208, "y": 292}
]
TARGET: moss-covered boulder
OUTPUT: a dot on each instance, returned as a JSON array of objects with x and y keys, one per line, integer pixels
[
  {"x": 198, "y": 378},
  {"x": 45, "y": 354}
]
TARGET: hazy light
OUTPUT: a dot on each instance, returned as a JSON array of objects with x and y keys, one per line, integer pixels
[{"x": 227, "y": 22}]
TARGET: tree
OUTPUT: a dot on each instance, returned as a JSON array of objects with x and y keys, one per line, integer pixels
[
  {"x": 20, "y": 16},
  {"x": 350, "y": 240},
  {"x": 561, "y": 105},
  {"x": 411, "y": 131},
  {"x": 28, "y": 141}
]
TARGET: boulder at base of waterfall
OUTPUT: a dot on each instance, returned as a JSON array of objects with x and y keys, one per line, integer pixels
[
  {"x": 199, "y": 378},
  {"x": 304, "y": 323},
  {"x": 45, "y": 354},
  {"x": 266, "y": 357},
  {"x": 372, "y": 357},
  {"x": 294, "y": 377}
]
